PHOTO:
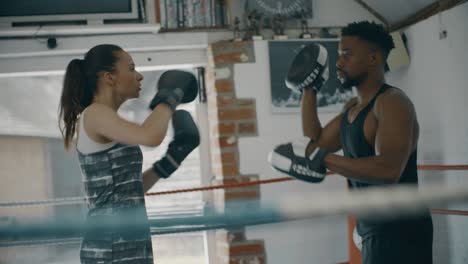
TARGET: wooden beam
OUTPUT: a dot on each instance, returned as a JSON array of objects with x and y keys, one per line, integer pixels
[
  {"x": 157, "y": 12},
  {"x": 449, "y": 212},
  {"x": 426, "y": 12},
  {"x": 373, "y": 12},
  {"x": 229, "y": 15}
]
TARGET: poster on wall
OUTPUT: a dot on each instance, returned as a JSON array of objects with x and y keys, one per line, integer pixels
[{"x": 331, "y": 97}]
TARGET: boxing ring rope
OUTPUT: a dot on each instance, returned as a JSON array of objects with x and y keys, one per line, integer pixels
[
  {"x": 442, "y": 167},
  {"x": 283, "y": 179},
  {"x": 48, "y": 242},
  {"x": 80, "y": 200},
  {"x": 56, "y": 201},
  {"x": 375, "y": 202}
]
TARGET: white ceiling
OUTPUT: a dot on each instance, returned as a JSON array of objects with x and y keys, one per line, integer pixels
[
  {"x": 401, "y": 13},
  {"x": 395, "y": 11}
]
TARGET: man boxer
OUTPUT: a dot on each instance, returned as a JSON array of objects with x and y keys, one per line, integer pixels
[{"x": 378, "y": 132}]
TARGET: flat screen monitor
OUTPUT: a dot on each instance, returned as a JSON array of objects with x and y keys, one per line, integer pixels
[{"x": 17, "y": 11}]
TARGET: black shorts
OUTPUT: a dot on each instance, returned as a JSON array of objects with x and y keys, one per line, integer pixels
[{"x": 391, "y": 249}]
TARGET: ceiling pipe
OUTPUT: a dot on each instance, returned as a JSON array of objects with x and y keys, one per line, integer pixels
[
  {"x": 56, "y": 31},
  {"x": 78, "y": 52}
]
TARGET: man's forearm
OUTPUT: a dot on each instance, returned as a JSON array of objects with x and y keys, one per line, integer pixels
[
  {"x": 374, "y": 169},
  {"x": 311, "y": 126}
]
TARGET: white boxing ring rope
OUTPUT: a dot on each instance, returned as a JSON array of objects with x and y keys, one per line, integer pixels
[{"x": 378, "y": 202}]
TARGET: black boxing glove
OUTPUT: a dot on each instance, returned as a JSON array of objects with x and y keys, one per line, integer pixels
[
  {"x": 309, "y": 69},
  {"x": 186, "y": 138},
  {"x": 175, "y": 87}
]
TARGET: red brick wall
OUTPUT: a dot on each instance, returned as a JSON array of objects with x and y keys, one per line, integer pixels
[{"x": 229, "y": 119}]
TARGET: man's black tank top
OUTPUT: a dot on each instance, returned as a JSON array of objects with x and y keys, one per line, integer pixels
[{"x": 354, "y": 145}]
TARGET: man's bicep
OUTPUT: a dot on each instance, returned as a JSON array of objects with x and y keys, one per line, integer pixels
[
  {"x": 394, "y": 136},
  {"x": 330, "y": 136}
]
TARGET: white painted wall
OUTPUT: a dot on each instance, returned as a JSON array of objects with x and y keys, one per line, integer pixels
[
  {"x": 336, "y": 13},
  {"x": 437, "y": 82}
]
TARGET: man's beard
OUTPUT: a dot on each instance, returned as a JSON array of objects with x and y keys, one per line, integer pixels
[{"x": 348, "y": 83}]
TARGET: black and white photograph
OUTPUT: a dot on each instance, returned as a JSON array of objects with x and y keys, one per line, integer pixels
[{"x": 331, "y": 96}]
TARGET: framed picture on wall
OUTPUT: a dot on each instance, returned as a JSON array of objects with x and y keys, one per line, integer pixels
[{"x": 283, "y": 100}]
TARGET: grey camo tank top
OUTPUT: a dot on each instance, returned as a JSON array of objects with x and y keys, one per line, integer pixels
[{"x": 114, "y": 191}]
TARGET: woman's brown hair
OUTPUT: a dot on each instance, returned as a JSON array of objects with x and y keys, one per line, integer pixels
[{"x": 80, "y": 84}]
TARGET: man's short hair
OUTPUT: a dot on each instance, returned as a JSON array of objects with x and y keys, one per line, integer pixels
[{"x": 373, "y": 33}]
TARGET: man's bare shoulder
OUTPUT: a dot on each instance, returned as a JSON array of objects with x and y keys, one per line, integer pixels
[
  {"x": 394, "y": 94},
  {"x": 392, "y": 98}
]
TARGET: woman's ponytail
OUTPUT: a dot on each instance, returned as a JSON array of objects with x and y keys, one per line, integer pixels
[{"x": 76, "y": 96}]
